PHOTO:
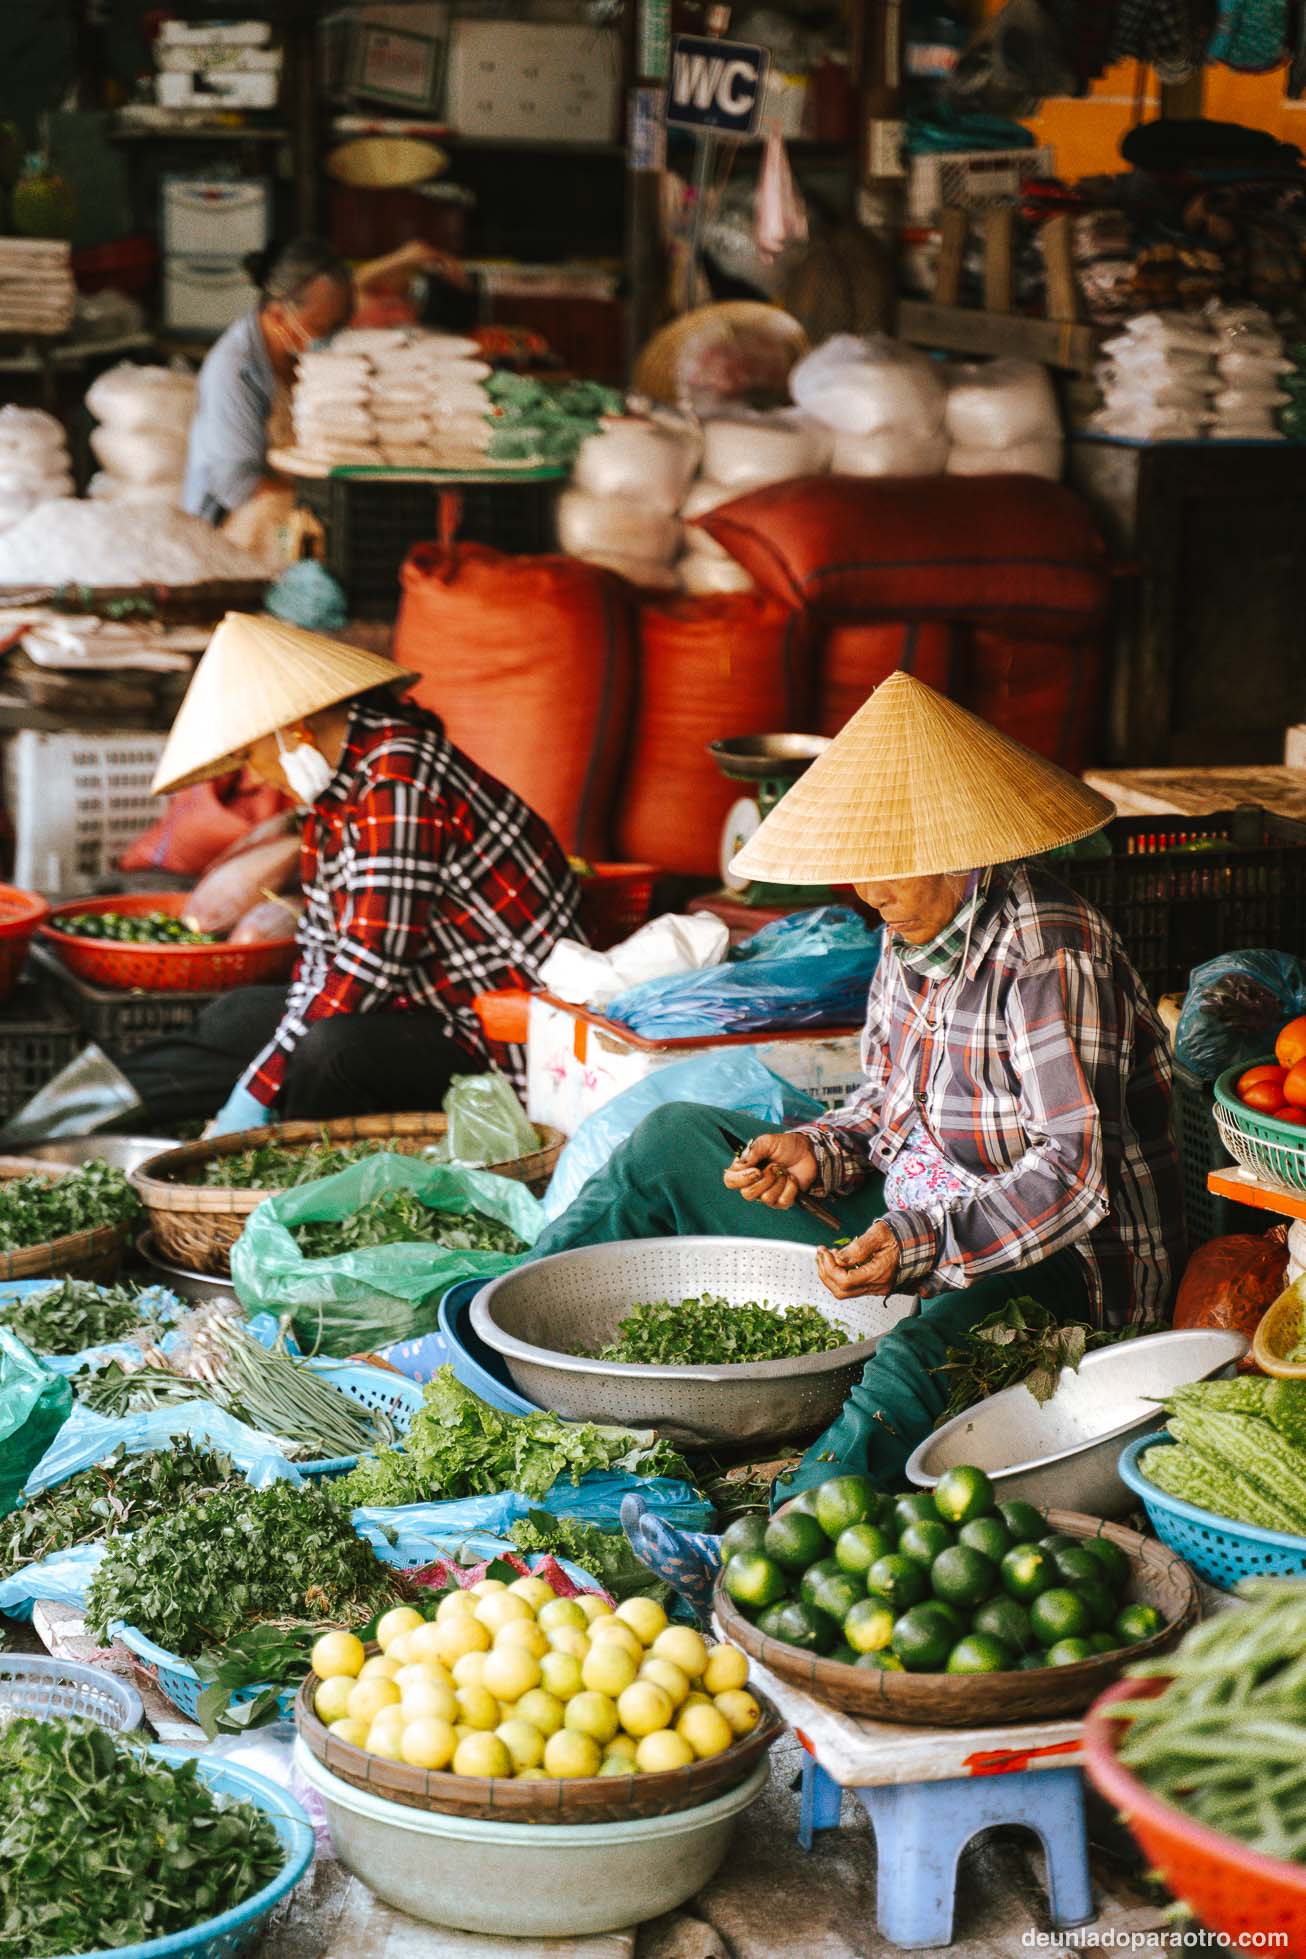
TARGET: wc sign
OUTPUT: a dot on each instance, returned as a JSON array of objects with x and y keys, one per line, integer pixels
[{"x": 716, "y": 85}]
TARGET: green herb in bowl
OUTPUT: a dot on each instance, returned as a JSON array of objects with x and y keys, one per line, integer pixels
[{"x": 709, "y": 1331}]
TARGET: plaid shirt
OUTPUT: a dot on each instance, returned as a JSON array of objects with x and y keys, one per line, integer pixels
[
  {"x": 1041, "y": 1072},
  {"x": 426, "y": 882}
]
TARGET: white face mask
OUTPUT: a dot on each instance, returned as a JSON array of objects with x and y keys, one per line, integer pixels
[{"x": 305, "y": 768}]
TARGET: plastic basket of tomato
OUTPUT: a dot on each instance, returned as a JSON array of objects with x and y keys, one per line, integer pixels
[{"x": 140, "y": 941}]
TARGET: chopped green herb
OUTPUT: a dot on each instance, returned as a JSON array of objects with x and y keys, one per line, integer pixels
[
  {"x": 1022, "y": 1341},
  {"x": 34, "y": 1210},
  {"x": 121, "y": 1493},
  {"x": 67, "y": 1316},
  {"x": 399, "y": 1217},
  {"x": 710, "y": 1331},
  {"x": 605, "y": 1554},
  {"x": 271, "y": 1166}
]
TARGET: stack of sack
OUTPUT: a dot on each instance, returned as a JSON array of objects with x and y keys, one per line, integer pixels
[
  {"x": 743, "y": 451},
  {"x": 1002, "y": 418},
  {"x": 37, "y": 294},
  {"x": 144, "y": 416},
  {"x": 882, "y": 402},
  {"x": 622, "y": 509},
  {"x": 1251, "y": 364},
  {"x": 394, "y": 396},
  {"x": 1157, "y": 379},
  {"x": 34, "y": 465}
]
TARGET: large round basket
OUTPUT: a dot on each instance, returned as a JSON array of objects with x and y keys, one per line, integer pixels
[
  {"x": 196, "y": 1224},
  {"x": 575, "y": 1799},
  {"x": 162, "y": 968},
  {"x": 81, "y": 1255},
  {"x": 943, "y": 1700}
]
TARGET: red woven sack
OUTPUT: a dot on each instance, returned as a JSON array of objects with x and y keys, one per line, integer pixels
[
  {"x": 855, "y": 659},
  {"x": 199, "y": 824},
  {"x": 1049, "y": 694}
]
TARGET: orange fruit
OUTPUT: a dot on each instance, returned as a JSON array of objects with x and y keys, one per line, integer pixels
[
  {"x": 1264, "y": 1071},
  {"x": 1266, "y": 1096},
  {"x": 1290, "y": 1048},
  {"x": 1294, "y": 1086}
]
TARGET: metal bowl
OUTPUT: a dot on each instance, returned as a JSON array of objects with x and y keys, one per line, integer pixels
[
  {"x": 198, "y": 1287},
  {"x": 125, "y": 1153},
  {"x": 535, "y": 1315},
  {"x": 1064, "y": 1452}
]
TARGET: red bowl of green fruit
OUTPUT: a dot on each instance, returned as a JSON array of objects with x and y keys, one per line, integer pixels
[{"x": 141, "y": 940}]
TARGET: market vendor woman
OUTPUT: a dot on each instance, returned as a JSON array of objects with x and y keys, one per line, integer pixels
[
  {"x": 1013, "y": 1134},
  {"x": 426, "y": 882}
]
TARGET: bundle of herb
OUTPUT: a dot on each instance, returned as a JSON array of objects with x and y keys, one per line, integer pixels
[
  {"x": 709, "y": 1331},
  {"x": 271, "y": 1166},
  {"x": 35, "y": 1210},
  {"x": 399, "y": 1217},
  {"x": 121, "y": 1493},
  {"x": 64, "y": 1318},
  {"x": 459, "y": 1446},
  {"x": 1022, "y": 1341},
  {"x": 244, "y": 1557},
  {"x": 106, "y": 1846},
  {"x": 605, "y": 1554}
]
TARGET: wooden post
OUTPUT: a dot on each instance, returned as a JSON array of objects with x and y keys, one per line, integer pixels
[
  {"x": 1059, "y": 265},
  {"x": 647, "y": 58},
  {"x": 302, "y": 104},
  {"x": 877, "y": 72},
  {"x": 954, "y": 231},
  {"x": 999, "y": 259}
]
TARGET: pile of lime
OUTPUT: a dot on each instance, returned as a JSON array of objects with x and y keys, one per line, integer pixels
[{"x": 948, "y": 1582}]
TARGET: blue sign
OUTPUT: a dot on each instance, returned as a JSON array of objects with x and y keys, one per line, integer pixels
[{"x": 716, "y": 85}]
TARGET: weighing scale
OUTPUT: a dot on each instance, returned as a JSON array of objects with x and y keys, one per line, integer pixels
[{"x": 770, "y": 764}]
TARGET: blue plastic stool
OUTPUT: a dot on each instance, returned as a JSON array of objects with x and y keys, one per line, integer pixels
[{"x": 921, "y": 1829}]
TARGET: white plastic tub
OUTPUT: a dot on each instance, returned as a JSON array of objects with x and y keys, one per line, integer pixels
[{"x": 523, "y": 1880}]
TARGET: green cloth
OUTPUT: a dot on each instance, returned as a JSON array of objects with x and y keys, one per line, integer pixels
[{"x": 664, "y": 1181}]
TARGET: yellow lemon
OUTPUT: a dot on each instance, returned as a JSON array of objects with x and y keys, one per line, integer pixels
[
  {"x": 498, "y": 1609},
  {"x": 740, "y": 1710},
  {"x": 560, "y": 1675},
  {"x": 426, "y": 1700},
  {"x": 400, "y": 1649},
  {"x": 534, "y": 1590},
  {"x": 684, "y": 1647},
  {"x": 399, "y": 1619},
  {"x": 570, "y": 1753},
  {"x": 616, "y": 1765},
  {"x": 484, "y": 1586},
  {"x": 696, "y": 1699},
  {"x": 569, "y": 1639},
  {"x": 424, "y": 1644},
  {"x": 523, "y": 1742},
  {"x": 482, "y": 1754},
  {"x": 455, "y": 1605},
  {"x": 644, "y": 1616},
  {"x": 379, "y": 1667},
  {"x": 608, "y": 1669},
  {"x": 352, "y": 1731},
  {"x": 592, "y": 1606},
  {"x": 543, "y": 1710},
  {"x": 592, "y": 1714},
  {"x": 669, "y": 1677},
  {"x": 661, "y": 1751},
  {"x": 428, "y": 1744},
  {"x": 645, "y": 1707},
  {"x": 726, "y": 1669},
  {"x": 525, "y": 1636},
  {"x": 616, "y": 1631},
  {"x": 623, "y": 1745},
  {"x": 429, "y": 1670},
  {"x": 510, "y": 1673},
  {"x": 331, "y": 1701},
  {"x": 386, "y": 1742},
  {"x": 478, "y": 1707},
  {"x": 470, "y": 1670},
  {"x": 533, "y": 1775},
  {"x": 462, "y": 1731},
  {"x": 706, "y": 1730},
  {"x": 370, "y": 1696},
  {"x": 562, "y": 1612},
  {"x": 460, "y": 1635},
  {"x": 337, "y": 1655}
]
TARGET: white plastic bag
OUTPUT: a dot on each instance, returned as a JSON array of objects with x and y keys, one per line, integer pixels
[
  {"x": 705, "y": 577},
  {"x": 1021, "y": 459},
  {"x": 130, "y": 397},
  {"x": 703, "y": 496},
  {"x": 616, "y": 526},
  {"x": 995, "y": 404},
  {"x": 644, "y": 460},
  {"x": 745, "y": 451},
  {"x": 1172, "y": 331},
  {"x": 890, "y": 452},
  {"x": 675, "y": 943},
  {"x": 139, "y": 455},
  {"x": 30, "y": 432},
  {"x": 857, "y": 386}
]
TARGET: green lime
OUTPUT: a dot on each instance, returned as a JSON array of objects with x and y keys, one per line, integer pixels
[
  {"x": 1104, "y": 1642},
  {"x": 772, "y": 1622},
  {"x": 925, "y": 1540},
  {"x": 1068, "y": 1652},
  {"x": 963, "y": 1493},
  {"x": 900, "y": 1580},
  {"x": 815, "y": 1576},
  {"x": 846, "y": 1500},
  {"x": 857, "y": 1548},
  {"x": 1076, "y": 1564},
  {"x": 917, "y": 1507},
  {"x": 1023, "y": 1521},
  {"x": 885, "y": 1661},
  {"x": 923, "y": 1639},
  {"x": 1110, "y": 1555},
  {"x": 1027, "y": 1570},
  {"x": 988, "y": 1535},
  {"x": 959, "y": 1621},
  {"x": 1003, "y": 1619},
  {"x": 1138, "y": 1622},
  {"x": 804, "y": 1504},
  {"x": 843, "y": 1652},
  {"x": 838, "y": 1595},
  {"x": 964, "y": 1577},
  {"x": 745, "y": 1536},
  {"x": 1097, "y": 1597},
  {"x": 753, "y": 1582},
  {"x": 1056, "y": 1540},
  {"x": 1059, "y": 1614},
  {"x": 980, "y": 1653},
  {"x": 869, "y": 1626},
  {"x": 1029, "y": 1661},
  {"x": 795, "y": 1542},
  {"x": 798, "y": 1624}
]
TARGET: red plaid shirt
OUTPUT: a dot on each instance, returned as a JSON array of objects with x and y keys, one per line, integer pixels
[{"x": 426, "y": 882}]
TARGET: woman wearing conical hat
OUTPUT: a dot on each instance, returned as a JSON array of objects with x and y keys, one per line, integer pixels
[
  {"x": 426, "y": 882},
  {"x": 1012, "y": 1135}
]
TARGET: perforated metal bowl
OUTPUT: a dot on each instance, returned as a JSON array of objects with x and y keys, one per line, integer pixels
[{"x": 537, "y": 1315}]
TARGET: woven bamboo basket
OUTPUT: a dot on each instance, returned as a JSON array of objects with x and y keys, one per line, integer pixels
[
  {"x": 943, "y": 1700},
  {"x": 576, "y": 1799},
  {"x": 196, "y": 1225},
  {"x": 94, "y": 1255}
]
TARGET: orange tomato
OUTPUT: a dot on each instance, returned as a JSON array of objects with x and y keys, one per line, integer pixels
[
  {"x": 1290, "y": 1048},
  {"x": 1288, "y": 1114},
  {"x": 1265, "y": 1071},
  {"x": 1294, "y": 1086},
  {"x": 1265, "y": 1096}
]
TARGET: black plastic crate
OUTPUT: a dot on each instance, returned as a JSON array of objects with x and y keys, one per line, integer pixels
[
  {"x": 1201, "y": 1151},
  {"x": 372, "y": 523},
  {"x": 38, "y": 1038},
  {"x": 1174, "y": 908},
  {"x": 115, "y": 1020}
]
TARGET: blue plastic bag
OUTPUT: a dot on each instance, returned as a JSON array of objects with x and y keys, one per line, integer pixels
[
  {"x": 156, "y": 1302},
  {"x": 596, "y": 1499},
  {"x": 812, "y": 969},
  {"x": 34, "y": 1405},
  {"x": 723, "y": 1080},
  {"x": 1234, "y": 1007},
  {"x": 87, "y": 1438}
]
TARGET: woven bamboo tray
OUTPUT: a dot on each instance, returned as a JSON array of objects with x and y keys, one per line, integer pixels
[
  {"x": 92, "y": 1255},
  {"x": 196, "y": 1226},
  {"x": 575, "y": 1799},
  {"x": 944, "y": 1700}
]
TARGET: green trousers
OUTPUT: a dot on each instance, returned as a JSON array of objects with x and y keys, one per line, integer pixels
[{"x": 664, "y": 1181}]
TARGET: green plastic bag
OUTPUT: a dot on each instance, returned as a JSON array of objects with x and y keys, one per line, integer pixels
[
  {"x": 487, "y": 1124},
  {"x": 358, "y": 1301},
  {"x": 34, "y": 1405}
]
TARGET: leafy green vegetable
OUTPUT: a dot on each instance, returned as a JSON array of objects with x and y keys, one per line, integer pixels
[
  {"x": 105, "y": 1846},
  {"x": 271, "y": 1166},
  {"x": 605, "y": 1554},
  {"x": 34, "y": 1210},
  {"x": 121, "y": 1493},
  {"x": 1022, "y": 1341},
  {"x": 204, "y": 1574},
  {"x": 709, "y": 1331},
  {"x": 459, "y": 1446},
  {"x": 74, "y": 1314},
  {"x": 400, "y": 1217},
  {"x": 267, "y": 1657}
]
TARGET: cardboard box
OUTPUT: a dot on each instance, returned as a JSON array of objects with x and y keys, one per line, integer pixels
[{"x": 522, "y": 81}]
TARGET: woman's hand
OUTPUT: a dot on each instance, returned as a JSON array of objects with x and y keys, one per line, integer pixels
[
  {"x": 774, "y": 1170},
  {"x": 869, "y": 1265}
]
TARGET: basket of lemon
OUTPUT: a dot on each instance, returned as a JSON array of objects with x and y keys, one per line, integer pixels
[{"x": 513, "y": 1704}]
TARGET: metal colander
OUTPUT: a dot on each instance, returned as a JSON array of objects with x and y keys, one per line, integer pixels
[{"x": 537, "y": 1314}]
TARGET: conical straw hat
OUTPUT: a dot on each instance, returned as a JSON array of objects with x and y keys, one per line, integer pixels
[
  {"x": 914, "y": 786},
  {"x": 257, "y": 675}
]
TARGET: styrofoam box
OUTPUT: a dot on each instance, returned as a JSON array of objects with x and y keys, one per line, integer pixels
[
  {"x": 76, "y": 801},
  {"x": 519, "y": 80},
  {"x": 207, "y": 217},
  {"x": 573, "y": 1067},
  {"x": 217, "y": 88},
  {"x": 215, "y": 33},
  {"x": 205, "y": 60},
  {"x": 205, "y": 295}
]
